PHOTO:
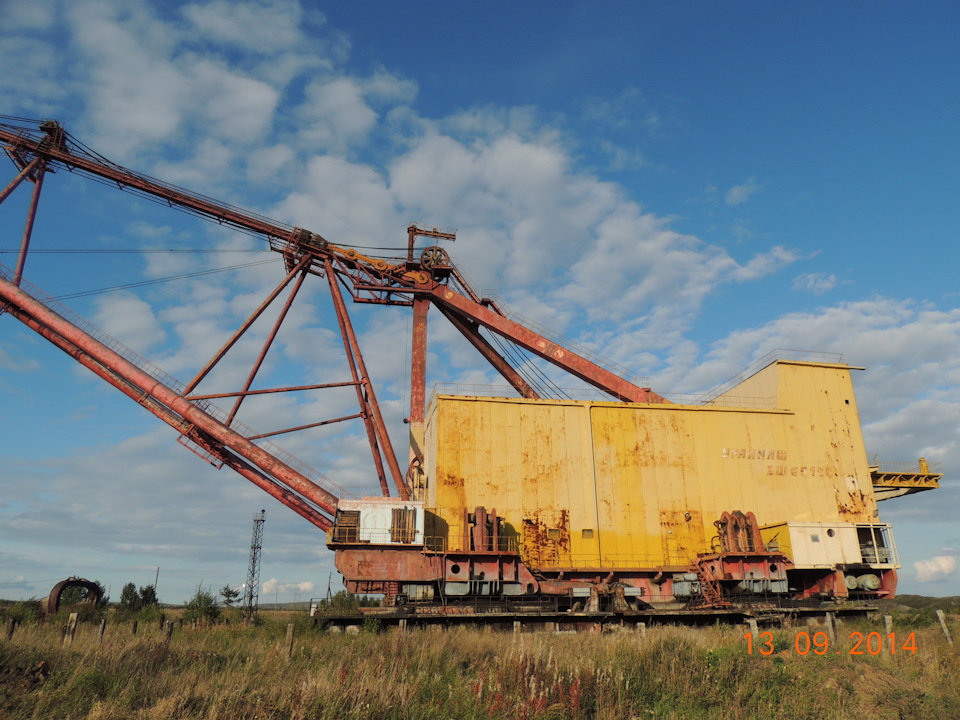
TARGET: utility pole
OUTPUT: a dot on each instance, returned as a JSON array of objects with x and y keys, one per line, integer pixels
[{"x": 251, "y": 595}]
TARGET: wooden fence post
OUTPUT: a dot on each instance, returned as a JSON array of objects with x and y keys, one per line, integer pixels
[
  {"x": 133, "y": 629},
  {"x": 289, "y": 641},
  {"x": 103, "y": 628},
  {"x": 11, "y": 626},
  {"x": 71, "y": 628},
  {"x": 943, "y": 624},
  {"x": 169, "y": 632}
]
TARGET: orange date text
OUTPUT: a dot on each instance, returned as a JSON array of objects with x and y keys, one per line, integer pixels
[{"x": 819, "y": 644}]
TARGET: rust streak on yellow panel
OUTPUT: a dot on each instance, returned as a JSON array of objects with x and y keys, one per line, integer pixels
[{"x": 584, "y": 484}]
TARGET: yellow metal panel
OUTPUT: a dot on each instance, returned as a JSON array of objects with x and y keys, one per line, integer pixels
[
  {"x": 529, "y": 462},
  {"x": 647, "y": 482}
]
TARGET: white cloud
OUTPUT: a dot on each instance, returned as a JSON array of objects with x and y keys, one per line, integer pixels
[
  {"x": 272, "y": 586},
  {"x": 20, "y": 365},
  {"x": 266, "y": 163},
  {"x": 345, "y": 202},
  {"x": 936, "y": 569},
  {"x": 335, "y": 114},
  {"x": 268, "y": 26},
  {"x": 236, "y": 106},
  {"x": 896, "y": 339},
  {"x": 130, "y": 320},
  {"x": 135, "y": 93},
  {"x": 739, "y": 194},
  {"x": 27, "y": 15},
  {"x": 816, "y": 283}
]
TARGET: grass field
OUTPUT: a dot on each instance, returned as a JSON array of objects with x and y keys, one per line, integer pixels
[{"x": 232, "y": 672}]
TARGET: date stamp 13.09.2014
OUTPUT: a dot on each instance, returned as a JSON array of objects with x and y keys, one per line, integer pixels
[{"x": 819, "y": 643}]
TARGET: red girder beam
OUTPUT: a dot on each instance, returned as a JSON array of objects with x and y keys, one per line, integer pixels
[
  {"x": 305, "y": 427},
  {"x": 470, "y": 331},
  {"x": 418, "y": 359},
  {"x": 268, "y": 391},
  {"x": 243, "y": 468},
  {"x": 125, "y": 178},
  {"x": 153, "y": 388},
  {"x": 359, "y": 383},
  {"x": 366, "y": 397},
  {"x": 266, "y": 346},
  {"x": 246, "y": 325},
  {"x": 21, "y": 176},
  {"x": 537, "y": 344},
  {"x": 28, "y": 230}
]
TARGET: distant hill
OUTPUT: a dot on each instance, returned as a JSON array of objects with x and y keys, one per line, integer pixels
[{"x": 922, "y": 602}]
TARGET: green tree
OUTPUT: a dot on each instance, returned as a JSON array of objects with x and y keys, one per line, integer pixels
[
  {"x": 229, "y": 595},
  {"x": 148, "y": 596},
  {"x": 202, "y": 606},
  {"x": 130, "y": 599}
]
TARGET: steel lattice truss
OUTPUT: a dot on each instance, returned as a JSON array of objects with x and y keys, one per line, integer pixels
[{"x": 430, "y": 279}]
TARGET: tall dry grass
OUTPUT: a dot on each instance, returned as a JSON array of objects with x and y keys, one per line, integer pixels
[{"x": 235, "y": 673}]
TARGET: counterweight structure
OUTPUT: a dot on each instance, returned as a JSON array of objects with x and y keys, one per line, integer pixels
[{"x": 760, "y": 489}]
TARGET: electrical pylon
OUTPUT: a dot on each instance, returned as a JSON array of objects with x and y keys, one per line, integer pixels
[{"x": 251, "y": 595}]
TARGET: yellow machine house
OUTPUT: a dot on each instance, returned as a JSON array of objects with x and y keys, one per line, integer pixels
[{"x": 763, "y": 487}]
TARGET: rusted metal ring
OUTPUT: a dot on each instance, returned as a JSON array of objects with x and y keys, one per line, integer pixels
[{"x": 52, "y": 603}]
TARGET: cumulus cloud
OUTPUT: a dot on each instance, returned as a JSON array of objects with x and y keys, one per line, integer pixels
[
  {"x": 935, "y": 569},
  {"x": 268, "y": 26},
  {"x": 739, "y": 194},
  {"x": 816, "y": 283},
  {"x": 130, "y": 320},
  {"x": 272, "y": 586}
]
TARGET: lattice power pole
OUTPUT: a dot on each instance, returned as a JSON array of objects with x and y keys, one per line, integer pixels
[{"x": 251, "y": 595}]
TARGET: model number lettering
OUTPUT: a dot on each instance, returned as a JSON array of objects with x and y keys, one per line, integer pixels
[{"x": 752, "y": 454}]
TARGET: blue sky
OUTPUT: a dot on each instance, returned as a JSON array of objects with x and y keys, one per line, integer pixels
[{"x": 683, "y": 187}]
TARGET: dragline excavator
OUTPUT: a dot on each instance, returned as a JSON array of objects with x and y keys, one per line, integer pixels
[{"x": 607, "y": 505}]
